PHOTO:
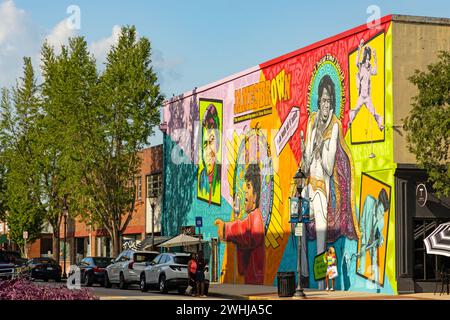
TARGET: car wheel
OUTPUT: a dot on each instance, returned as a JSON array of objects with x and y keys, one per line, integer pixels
[
  {"x": 162, "y": 284},
  {"x": 182, "y": 290},
  {"x": 45, "y": 279},
  {"x": 58, "y": 279},
  {"x": 122, "y": 284},
  {"x": 106, "y": 282},
  {"x": 88, "y": 279},
  {"x": 142, "y": 284}
]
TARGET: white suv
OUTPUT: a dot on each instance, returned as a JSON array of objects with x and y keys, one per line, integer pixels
[
  {"x": 126, "y": 269},
  {"x": 168, "y": 272}
]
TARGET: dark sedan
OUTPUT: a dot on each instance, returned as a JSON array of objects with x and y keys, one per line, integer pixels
[
  {"x": 45, "y": 269},
  {"x": 93, "y": 269},
  {"x": 12, "y": 265}
]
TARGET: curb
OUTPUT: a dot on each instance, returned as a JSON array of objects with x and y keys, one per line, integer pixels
[{"x": 228, "y": 296}]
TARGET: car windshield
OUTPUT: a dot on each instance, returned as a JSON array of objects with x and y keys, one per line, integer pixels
[
  {"x": 181, "y": 259},
  {"x": 102, "y": 262},
  {"x": 8, "y": 257},
  {"x": 144, "y": 257}
]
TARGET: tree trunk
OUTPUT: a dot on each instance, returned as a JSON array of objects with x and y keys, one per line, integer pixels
[
  {"x": 56, "y": 246},
  {"x": 115, "y": 239},
  {"x": 22, "y": 250}
]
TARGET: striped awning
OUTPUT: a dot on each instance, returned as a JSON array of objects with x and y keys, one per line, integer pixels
[{"x": 438, "y": 242}]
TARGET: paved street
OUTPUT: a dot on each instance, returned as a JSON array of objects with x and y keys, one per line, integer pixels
[{"x": 132, "y": 293}]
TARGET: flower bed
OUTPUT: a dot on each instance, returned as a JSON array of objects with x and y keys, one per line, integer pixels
[{"x": 21, "y": 289}]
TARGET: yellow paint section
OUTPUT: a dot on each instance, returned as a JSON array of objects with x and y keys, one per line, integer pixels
[
  {"x": 364, "y": 127},
  {"x": 376, "y": 159},
  {"x": 373, "y": 187}
]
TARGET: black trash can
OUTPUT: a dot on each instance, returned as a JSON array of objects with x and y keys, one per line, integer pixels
[{"x": 286, "y": 284}]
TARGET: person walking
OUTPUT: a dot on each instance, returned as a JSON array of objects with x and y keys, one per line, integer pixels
[
  {"x": 192, "y": 270},
  {"x": 330, "y": 259},
  {"x": 200, "y": 275}
]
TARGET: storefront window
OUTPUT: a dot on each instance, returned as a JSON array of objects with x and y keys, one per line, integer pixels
[{"x": 426, "y": 266}]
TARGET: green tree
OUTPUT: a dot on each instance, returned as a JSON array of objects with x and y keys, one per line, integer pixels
[
  {"x": 68, "y": 90},
  {"x": 19, "y": 131},
  {"x": 428, "y": 124},
  {"x": 2, "y": 187},
  {"x": 126, "y": 113}
]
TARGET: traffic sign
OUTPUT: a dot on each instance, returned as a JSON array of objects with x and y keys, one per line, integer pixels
[
  {"x": 198, "y": 222},
  {"x": 25, "y": 235}
]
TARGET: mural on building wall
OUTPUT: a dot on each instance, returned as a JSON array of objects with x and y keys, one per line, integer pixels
[
  {"x": 209, "y": 169},
  {"x": 326, "y": 160},
  {"x": 374, "y": 218},
  {"x": 253, "y": 189},
  {"x": 366, "y": 75},
  {"x": 321, "y": 110}
]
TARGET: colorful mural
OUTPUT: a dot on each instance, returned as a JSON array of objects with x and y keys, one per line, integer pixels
[
  {"x": 325, "y": 110},
  {"x": 366, "y": 67},
  {"x": 374, "y": 218},
  {"x": 209, "y": 169}
]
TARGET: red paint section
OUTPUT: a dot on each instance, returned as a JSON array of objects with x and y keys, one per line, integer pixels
[{"x": 300, "y": 64}]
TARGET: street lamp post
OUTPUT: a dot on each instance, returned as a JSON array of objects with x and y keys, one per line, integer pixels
[
  {"x": 299, "y": 176},
  {"x": 65, "y": 212},
  {"x": 153, "y": 225}
]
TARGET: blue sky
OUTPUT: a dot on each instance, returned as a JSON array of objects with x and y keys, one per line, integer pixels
[{"x": 194, "y": 42}]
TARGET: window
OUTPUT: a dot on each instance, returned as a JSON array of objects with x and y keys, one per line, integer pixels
[
  {"x": 163, "y": 259},
  {"x": 144, "y": 257},
  {"x": 426, "y": 266},
  {"x": 46, "y": 246},
  {"x": 158, "y": 258},
  {"x": 182, "y": 259},
  {"x": 139, "y": 188},
  {"x": 154, "y": 185}
]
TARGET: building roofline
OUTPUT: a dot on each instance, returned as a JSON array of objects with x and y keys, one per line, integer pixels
[
  {"x": 315, "y": 45},
  {"x": 420, "y": 19}
]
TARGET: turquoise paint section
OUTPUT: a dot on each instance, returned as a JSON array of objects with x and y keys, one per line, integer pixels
[
  {"x": 181, "y": 205},
  {"x": 348, "y": 279},
  {"x": 289, "y": 259}
]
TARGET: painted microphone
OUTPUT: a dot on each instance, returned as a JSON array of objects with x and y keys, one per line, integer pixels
[{"x": 237, "y": 208}]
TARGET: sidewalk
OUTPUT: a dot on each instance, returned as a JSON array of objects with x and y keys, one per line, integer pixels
[{"x": 255, "y": 292}]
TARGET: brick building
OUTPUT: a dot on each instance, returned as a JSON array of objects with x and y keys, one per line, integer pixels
[{"x": 84, "y": 240}]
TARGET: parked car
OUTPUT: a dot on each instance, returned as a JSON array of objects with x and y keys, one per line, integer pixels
[
  {"x": 93, "y": 269},
  {"x": 127, "y": 268},
  {"x": 12, "y": 265},
  {"x": 45, "y": 269},
  {"x": 168, "y": 271}
]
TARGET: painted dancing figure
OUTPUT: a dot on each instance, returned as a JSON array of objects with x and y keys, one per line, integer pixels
[{"x": 363, "y": 85}]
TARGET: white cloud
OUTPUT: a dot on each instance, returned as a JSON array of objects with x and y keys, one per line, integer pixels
[
  {"x": 21, "y": 37},
  {"x": 101, "y": 47},
  {"x": 60, "y": 34},
  {"x": 18, "y": 38}
]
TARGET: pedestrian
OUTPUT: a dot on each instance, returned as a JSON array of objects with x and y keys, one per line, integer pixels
[
  {"x": 192, "y": 270},
  {"x": 200, "y": 275},
  {"x": 331, "y": 260}
]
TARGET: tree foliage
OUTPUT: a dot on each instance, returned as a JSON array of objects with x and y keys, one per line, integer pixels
[
  {"x": 19, "y": 135},
  {"x": 125, "y": 115},
  {"x": 77, "y": 137},
  {"x": 70, "y": 79},
  {"x": 428, "y": 124}
]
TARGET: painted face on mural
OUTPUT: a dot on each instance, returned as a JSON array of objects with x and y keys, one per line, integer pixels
[
  {"x": 209, "y": 149},
  {"x": 325, "y": 104},
  {"x": 250, "y": 197}
]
